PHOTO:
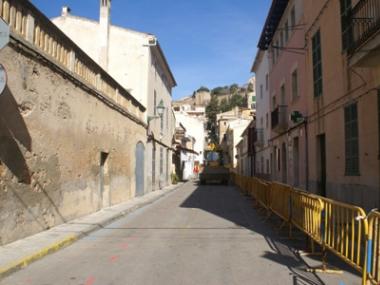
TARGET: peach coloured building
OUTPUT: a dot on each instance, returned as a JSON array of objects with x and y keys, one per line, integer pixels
[
  {"x": 287, "y": 96},
  {"x": 342, "y": 79}
]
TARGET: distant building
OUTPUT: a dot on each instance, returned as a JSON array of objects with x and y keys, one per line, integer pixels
[
  {"x": 185, "y": 158},
  {"x": 200, "y": 98},
  {"x": 195, "y": 127},
  {"x": 223, "y": 119},
  {"x": 263, "y": 116},
  {"x": 231, "y": 139},
  {"x": 251, "y": 94},
  {"x": 137, "y": 62},
  {"x": 245, "y": 151}
]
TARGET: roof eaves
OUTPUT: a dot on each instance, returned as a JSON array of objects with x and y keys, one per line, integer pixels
[{"x": 274, "y": 16}]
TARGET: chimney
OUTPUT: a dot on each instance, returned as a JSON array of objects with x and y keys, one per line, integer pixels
[
  {"x": 65, "y": 11},
  {"x": 105, "y": 22}
]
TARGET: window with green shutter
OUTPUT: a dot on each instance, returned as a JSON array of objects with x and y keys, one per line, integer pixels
[
  {"x": 345, "y": 16},
  {"x": 317, "y": 64},
  {"x": 351, "y": 139}
]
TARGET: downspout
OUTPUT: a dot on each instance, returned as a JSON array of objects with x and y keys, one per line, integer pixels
[{"x": 307, "y": 154}]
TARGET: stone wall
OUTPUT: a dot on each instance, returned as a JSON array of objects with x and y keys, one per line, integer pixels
[{"x": 53, "y": 129}]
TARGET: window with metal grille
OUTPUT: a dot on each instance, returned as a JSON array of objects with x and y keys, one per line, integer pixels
[
  {"x": 293, "y": 18},
  {"x": 286, "y": 31},
  {"x": 351, "y": 139},
  {"x": 345, "y": 16},
  {"x": 317, "y": 64},
  {"x": 295, "y": 84}
]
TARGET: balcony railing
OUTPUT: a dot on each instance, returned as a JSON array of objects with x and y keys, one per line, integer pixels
[
  {"x": 259, "y": 137},
  {"x": 365, "y": 22},
  {"x": 279, "y": 118}
]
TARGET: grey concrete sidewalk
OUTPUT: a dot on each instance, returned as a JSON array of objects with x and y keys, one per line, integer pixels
[{"x": 21, "y": 253}]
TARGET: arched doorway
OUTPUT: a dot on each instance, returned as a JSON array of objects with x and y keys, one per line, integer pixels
[{"x": 139, "y": 169}]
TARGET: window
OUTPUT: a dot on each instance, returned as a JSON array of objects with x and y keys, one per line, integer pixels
[
  {"x": 167, "y": 119},
  {"x": 274, "y": 102},
  {"x": 345, "y": 17},
  {"x": 293, "y": 18},
  {"x": 153, "y": 167},
  {"x": 261, "y": 122},
  {"x": 155, "y": 103},
  {"x": 351, "y": 139},
  {"x": 295, "y": 84},
  {"x": 317, "y": 64},
  {"x": 266, "y": 82},
  {"x": 161, "y": 160},
  {"x": 261, "y": 91},
  {"x": 162, "y": 122},
  {"x": 267, "y": 120},
  {"x": 253, "y": 98},
  {"x": 277, "y": 50},
  {"x": 283, "y": 94},
  {"x": 267, "y": 166},
  {"x": 281, "y": 39},
  {"x": 286, "y": 31}
]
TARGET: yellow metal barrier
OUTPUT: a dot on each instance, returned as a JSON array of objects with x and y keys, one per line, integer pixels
[
  {"x": 373, "y": 250},
  {"x": 338, "y": 227},
  {"x": 261, "y": 194},
  {"x": 345, "y": 234},
  {"x": 280, "y": 200},
  {"x": 306, "y": 214}
]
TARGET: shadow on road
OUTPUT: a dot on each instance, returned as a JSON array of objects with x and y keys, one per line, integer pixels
[{"x": 228, "y": 203}]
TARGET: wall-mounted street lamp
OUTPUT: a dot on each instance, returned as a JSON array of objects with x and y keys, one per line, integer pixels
[{"x": 160, "y": 111}]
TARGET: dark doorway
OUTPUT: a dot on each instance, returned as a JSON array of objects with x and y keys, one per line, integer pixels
[
  {"x": 139, "y": 170},
  {"x": 284, "y": 164},
  {"x": 104, "y": 200},
  {"x": 296, "y": 176},
  {"x": 321, "y": 164},
  {"x": 153, "y": 167}
]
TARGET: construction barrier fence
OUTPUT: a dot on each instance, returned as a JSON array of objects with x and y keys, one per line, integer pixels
[{"x": 343, "y": 229}]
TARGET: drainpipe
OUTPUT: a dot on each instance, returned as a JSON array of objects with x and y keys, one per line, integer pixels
[{"x": 307, "y": 154}]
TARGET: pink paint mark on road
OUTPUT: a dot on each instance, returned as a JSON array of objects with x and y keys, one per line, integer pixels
[
  {"x": 90, "y": 280},
  {"x": 28, "y": 281},
  {"x": 124, "y": 245},
  {"x": 114, "y": 258}
]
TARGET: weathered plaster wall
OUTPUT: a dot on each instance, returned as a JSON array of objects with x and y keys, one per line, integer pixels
[{"x": 51, "y": 135}]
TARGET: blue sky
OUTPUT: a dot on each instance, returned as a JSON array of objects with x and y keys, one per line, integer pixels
[{"x": 206, "y": 42}]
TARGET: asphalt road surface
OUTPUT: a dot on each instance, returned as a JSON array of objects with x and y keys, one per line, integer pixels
[{"x": 195, "y": 235}]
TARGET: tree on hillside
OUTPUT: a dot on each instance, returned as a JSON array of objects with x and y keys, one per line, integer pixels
[
  {"x": 220, "y": 90},
  {"x": 203, "y": 89},
  {"x": 234, "y": 88},
  {"x": 212, "y": 109},
  {"x": 237, "y": 100},
  {"x": 224, "y": 105}
]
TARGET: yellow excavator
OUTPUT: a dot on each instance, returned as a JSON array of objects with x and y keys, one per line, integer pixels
[{"x": 214, "y": 170}]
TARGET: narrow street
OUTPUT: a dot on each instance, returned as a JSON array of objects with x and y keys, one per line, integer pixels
[{"x": 195, "y": 235}]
